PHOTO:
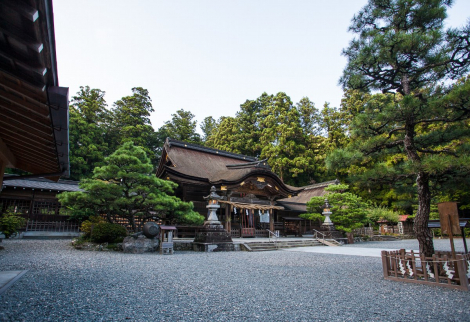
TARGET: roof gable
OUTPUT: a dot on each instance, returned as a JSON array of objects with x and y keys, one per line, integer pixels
[{"x": 212, "y": 166}]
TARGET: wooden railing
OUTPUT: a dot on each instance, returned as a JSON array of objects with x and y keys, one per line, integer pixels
[
  {"x": 235, "y": 233},
  {"x": 318, "y": 235},
  {"x": 53, "y": 226},
  {"x": 440, "y": 269}
]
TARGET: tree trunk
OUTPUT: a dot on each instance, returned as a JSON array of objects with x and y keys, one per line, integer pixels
[
  {"x": 132, "y": 220},
  {"x": 420, "y": 227}
]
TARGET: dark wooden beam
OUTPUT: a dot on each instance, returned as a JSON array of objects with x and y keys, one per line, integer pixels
[
  {"x": 21, "y": 115},
  {"x": 15, "y": 85},
  {"x": 26, "y": 141},
  {"x": 33, "y": 150},
  {"x": 34, "y": 156},
  {"x": 9, "y": 159},
  {"x": 25, "y": 137},
  {"x": 9, "y": 122}
]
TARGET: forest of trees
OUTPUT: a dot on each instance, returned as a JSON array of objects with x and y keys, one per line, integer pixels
[{"x": 400, "y": 138}]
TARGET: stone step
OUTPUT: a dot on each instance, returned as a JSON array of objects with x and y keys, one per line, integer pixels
[{"x": 265, "y": 246}]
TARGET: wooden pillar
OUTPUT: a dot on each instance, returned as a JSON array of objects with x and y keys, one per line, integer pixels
[
  {"x": 271, "y": 221},
  {"x": 6, "y": 159},
  {"x": 3, "y": 165}
]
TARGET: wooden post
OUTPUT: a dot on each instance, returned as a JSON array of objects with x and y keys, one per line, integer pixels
[
  {"x": 227, "y": 218},
  {"x": 385, "y": 263},
  {"x": 451, "y": 237},
  {"x": 464, "y": 239},
  {"x": 461, "y": 272}
]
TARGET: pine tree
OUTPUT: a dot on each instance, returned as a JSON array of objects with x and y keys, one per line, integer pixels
[
  {"x": 125, "y": 186},
  {"x": 403, "y": 50}
]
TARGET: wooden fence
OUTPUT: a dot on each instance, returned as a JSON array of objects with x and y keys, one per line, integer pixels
[
  {"x": 369, "y": 231},
  {"x": 52, "y": 226},
  {"x": 439, "y": 270}
]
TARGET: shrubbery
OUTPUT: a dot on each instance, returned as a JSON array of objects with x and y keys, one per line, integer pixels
[
  {"x": 98, "y": 230},
  {"x": 105, "y": 232},
  {"x": 10, "y": 223},
  {"x": 87, "y": 225}
]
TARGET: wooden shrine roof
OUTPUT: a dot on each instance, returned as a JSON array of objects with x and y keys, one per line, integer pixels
[
  {"x": 33, "y": 108},
  {"x": 299, "y": 202},
  {"x": 202, "y": 165}
]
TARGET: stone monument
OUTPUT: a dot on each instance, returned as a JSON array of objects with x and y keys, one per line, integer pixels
[{"x": 145, "y": 241}]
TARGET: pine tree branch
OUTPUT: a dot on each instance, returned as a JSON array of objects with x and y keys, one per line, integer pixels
[
  {"x": 383, "y": 146},
  {"x": 445, "y": 151}
]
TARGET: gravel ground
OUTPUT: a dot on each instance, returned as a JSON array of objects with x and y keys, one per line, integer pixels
[{"x": 64, "y": 284}]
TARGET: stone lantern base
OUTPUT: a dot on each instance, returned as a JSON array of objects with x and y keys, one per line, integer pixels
[
  {"x": 330, "y": 231},
  {"x": 213, "y": 238}
]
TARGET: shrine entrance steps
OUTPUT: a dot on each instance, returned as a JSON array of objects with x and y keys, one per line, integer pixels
[{"x": 276, "y": 244}]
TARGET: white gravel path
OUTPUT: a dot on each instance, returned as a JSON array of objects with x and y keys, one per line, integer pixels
[{"x": 64, "y": 284}]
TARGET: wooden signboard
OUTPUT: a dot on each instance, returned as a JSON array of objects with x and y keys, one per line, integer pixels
[{"x": 449, "y": 217}]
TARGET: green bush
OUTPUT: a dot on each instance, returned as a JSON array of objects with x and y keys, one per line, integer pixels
[
  {"x": 10, "y": 223},
  {"x": 105, "y": 232},
  {"x": 87, "y": 225}
]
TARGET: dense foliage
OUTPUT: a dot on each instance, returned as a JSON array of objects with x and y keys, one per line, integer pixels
[{"x": 271, "y": 127}]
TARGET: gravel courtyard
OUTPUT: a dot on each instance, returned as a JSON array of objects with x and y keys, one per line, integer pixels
[{"x": 64, "y": 284}]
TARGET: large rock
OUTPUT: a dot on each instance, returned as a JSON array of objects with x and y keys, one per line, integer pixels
[{"x": 140, "y": 245}]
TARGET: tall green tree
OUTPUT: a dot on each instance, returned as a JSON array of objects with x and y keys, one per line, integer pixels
[
  {"x": 225, "y": 135},
  {"x": 402, "y": 49},
  {"x": 131, "y": 122},
  {"x": 272, "y": 127},
  {"x": 284, "y": 142},
  {"x": 182, "y": 127},
  {"x": 310, "y": 117},
  {"x": 333, "y": 124},
  {"x": 88, "y": 121},
  {"x": 208, "y": 125},
  {"x": 125, "y": 186}
]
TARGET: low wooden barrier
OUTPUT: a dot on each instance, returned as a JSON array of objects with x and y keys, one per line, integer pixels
[
  {"x": 439, "y": 270},
  {"x": 52, "y": 226}
]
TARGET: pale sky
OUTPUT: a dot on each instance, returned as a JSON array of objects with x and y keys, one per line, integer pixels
[{"x": 208, "y": 56}]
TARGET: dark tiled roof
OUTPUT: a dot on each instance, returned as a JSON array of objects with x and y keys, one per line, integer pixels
[
  {"x": 42, "y": 183},
  {"x": 199, "y": 148},
  {"x": 294, "y": 206},
  {"x": 213, "y": 166},
  {"x": 315, "y": 190}
]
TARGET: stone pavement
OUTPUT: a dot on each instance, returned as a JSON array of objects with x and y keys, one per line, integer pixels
[{"x": 8, "y": 278}]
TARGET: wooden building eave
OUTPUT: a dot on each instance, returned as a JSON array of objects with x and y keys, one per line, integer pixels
[{"x": 33, "y": 108}]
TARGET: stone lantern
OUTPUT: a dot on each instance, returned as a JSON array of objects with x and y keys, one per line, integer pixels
[
  {"x": 327, "y": 212},
  {"x": 213, "y": 204},
  {"x": 212, "y": 237}
]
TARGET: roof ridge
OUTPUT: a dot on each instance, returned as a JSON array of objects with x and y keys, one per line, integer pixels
[
  {"x": 201, "y": 148},
  {"x": 321, "y": 184}
]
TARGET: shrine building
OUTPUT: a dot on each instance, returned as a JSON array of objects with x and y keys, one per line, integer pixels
[{"x": 255, "y": 199}]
